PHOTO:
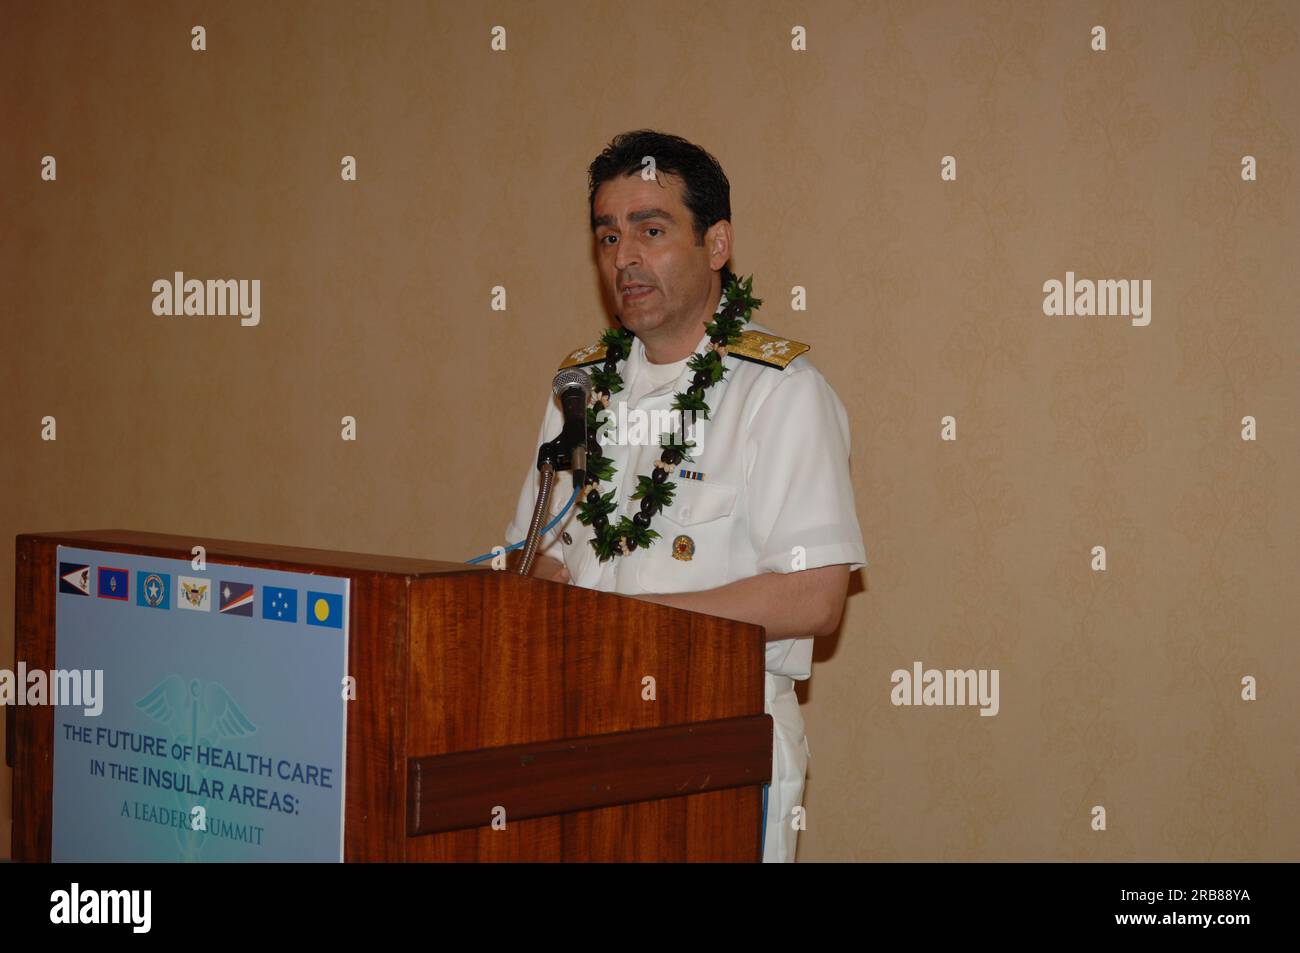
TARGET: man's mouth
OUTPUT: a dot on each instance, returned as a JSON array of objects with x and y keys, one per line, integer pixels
[{"x": 635, "y": 291}]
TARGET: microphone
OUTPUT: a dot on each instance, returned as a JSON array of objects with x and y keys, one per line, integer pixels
[{"x": 573, "y": 387}]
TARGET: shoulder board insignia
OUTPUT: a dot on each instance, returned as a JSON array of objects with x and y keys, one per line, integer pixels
[
  {"x": 591, "y": 354},
  {"x": 757, "y": 346},
  {"x": 763, "y": 348}
]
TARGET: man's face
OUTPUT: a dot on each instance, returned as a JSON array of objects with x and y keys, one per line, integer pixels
[{"x": 644, "y": 236}]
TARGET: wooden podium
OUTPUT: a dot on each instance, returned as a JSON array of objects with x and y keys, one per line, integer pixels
[{"x": 478, "y": 689}]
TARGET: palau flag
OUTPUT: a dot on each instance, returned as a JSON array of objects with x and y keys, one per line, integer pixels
[
  {"x": 279, "y": 604},
  {"x": 325, "y": 609},
  {"x": 112, "y": 583},
  {"x": 153, "y": 589}
]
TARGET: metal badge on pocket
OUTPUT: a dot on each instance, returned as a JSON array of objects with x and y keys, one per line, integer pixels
[{"x": 683, "y": 547}]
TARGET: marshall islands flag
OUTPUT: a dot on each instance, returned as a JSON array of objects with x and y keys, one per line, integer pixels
[{"x": 236, "y": 598}]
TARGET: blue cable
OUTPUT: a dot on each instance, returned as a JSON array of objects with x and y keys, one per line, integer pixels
[{"x": 545, "y": 529}]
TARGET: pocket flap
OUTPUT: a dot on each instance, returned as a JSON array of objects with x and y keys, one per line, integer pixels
[{"x": 695, "y": 502}]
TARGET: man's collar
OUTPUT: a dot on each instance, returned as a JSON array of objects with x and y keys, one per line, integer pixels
[{"x": 637, "y": 359}]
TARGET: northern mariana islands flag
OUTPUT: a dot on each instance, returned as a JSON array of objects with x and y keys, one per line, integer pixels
[
  {"x": 324, "y": 608},
  {"x": 153, "y": 589}
]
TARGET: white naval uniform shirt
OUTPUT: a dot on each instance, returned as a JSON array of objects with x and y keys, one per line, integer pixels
[{"x": 775, "y": 465}]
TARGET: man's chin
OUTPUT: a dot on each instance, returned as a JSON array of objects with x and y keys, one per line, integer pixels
[{"x": 636, "y": 323}]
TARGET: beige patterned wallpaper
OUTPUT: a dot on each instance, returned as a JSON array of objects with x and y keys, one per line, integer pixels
[{"x": 1101, "y": 508}]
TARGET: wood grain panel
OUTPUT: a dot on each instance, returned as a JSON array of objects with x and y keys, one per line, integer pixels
[{"x": 458, "y": 790}]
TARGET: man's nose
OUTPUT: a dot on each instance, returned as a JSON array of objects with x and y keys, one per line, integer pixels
[{"x": 626, "y": 254}]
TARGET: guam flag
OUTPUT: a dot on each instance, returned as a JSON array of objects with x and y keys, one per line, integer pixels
[{"x": 112, "y": 583}]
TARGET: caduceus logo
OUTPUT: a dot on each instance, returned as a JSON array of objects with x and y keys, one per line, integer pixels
[{"x": 198, "y": 716}]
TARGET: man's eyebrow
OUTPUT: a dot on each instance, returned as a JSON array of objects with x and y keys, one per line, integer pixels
[{"x": 638, "y": 216}]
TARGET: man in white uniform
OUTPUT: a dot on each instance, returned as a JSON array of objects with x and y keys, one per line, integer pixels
[{"x": 762, "y": 527}]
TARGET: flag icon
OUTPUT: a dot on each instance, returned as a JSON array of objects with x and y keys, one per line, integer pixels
[
  {"x": 194, "y": 593},
  {"x": 325, "y": 609},
  {"x": 74, "y": 578},
  {"x": 153, "y": 589},
  {"x": 236, "y": 598},
  {"x": 112, "y": 583},
  {"x": 279, "y": 604}
]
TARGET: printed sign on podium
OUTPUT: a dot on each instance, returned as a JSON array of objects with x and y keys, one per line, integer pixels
[{"x": 222, "y": 716}]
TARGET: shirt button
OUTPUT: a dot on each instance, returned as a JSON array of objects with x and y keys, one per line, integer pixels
[{"x": 568, "y": 540}]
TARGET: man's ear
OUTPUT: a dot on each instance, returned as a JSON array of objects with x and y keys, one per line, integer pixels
[{"x": 718, "y": 241}]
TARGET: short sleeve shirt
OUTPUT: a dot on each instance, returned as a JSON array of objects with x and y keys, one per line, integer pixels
[{"x": 769, "y": 489}]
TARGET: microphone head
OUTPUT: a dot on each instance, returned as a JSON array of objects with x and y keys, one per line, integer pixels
[{"x": 572, "y": 377}]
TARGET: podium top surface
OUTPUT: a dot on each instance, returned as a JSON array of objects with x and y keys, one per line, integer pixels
[{"x": 230, "y": 550}]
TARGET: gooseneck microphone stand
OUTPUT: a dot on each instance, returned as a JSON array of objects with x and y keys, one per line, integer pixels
[{"x": 568, "y": 451}]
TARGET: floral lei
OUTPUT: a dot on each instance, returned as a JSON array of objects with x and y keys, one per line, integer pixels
[{"x": 654, "y": 491}]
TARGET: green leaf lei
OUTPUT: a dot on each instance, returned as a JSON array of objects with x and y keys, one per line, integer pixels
[{"x": 654, "y": 491}]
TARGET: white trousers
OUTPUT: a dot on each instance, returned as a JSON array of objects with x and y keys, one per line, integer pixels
[{"x": 789, "y": 763}]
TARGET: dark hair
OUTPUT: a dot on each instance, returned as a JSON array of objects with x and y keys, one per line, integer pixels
[{"x": 705, "y": 189}]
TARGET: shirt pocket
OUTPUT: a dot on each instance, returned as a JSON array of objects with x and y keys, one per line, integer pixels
[{"x": 692, "y": 551}]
